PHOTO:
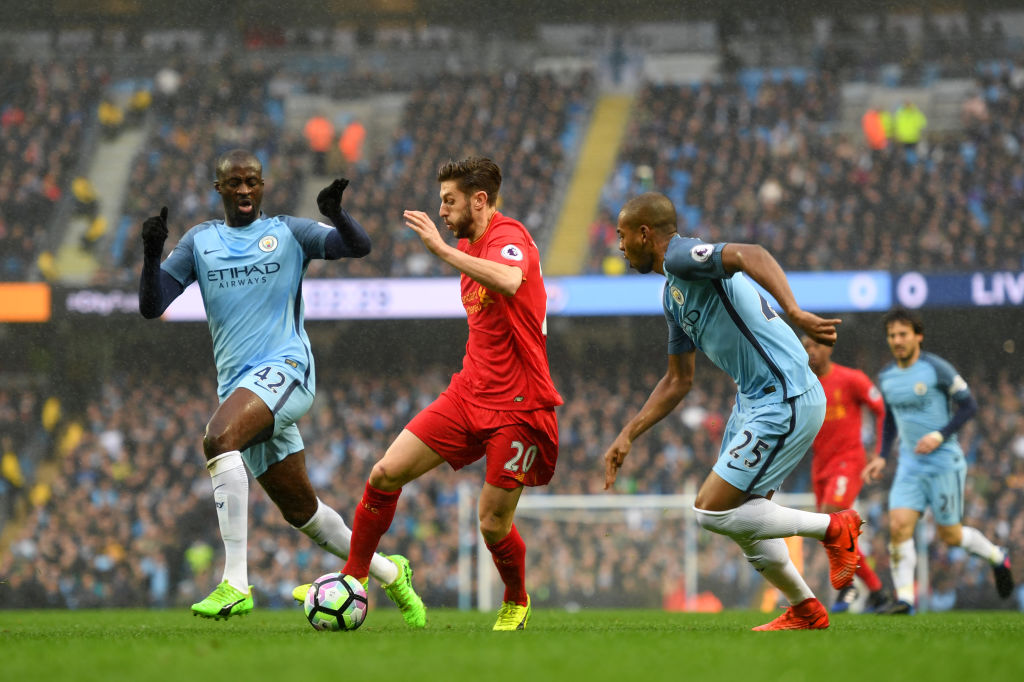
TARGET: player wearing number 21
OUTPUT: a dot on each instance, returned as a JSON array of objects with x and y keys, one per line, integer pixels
[
  {"x": 249, "y": 269},
  {"x": 710, "y": 304},
  {"x": 926, "y": 403},
  {"x": 500, "y": 407}
]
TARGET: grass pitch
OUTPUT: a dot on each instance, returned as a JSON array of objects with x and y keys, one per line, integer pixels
[{"x": 589, "y": 645}]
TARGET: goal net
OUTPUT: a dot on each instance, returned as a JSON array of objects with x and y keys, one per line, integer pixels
[
  {"x": 629, "y": 551},
  {"x": 604, "y": 551}
]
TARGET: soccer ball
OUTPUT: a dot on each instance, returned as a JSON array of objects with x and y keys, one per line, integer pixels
[{"x": 335, "y": 601}]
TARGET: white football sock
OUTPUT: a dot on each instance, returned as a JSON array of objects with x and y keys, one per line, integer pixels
[
  {"x": 759, "y": 519},
  {"x": 975, "y": 542},
  {"x": 771, "y": 559},
  {"x": 327, "y": 529},
  {"x": 231, "y": 495},
  {"x": 903, "y": 560}
]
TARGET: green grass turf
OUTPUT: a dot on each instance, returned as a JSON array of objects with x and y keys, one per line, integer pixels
[{"x": 588, "y": 645}]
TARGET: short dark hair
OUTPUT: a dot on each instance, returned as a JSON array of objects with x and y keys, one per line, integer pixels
[
  {"x": 473, "y": 174},
  {"x": 235, "y": 157},
  {"x": 900, "y": 314},
  {"x": 652, "y": 209}
]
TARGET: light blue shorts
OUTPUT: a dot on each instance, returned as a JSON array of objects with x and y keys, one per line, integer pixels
[
  {"x": 288, "y": 400},
  {"x": 763, "y": 444},
  {"x": 942, "y": 491}
]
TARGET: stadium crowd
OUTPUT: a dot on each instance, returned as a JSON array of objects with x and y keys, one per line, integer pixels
[
  {"x": 524, "y": 117},
  {"x": 743, "y": 160},
  {"x": 46, "y": 111},
  {"x": 128, "y": 520},
  {"x": 766, "y": 167}
]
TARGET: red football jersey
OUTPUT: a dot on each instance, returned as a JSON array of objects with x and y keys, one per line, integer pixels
[
  {"x": 506, "y": 362},
  {"x": 847, "y": 391}
]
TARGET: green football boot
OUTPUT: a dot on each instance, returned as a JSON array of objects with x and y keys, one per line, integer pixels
[
  {"x": 224, "y": 602},
  {"x": 401, "y": 592},
  {"x": 299, "y": 593}
]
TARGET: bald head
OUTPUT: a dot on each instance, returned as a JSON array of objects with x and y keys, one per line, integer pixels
[
  {"x": 647, "y": 224},
  {"x": 652, "y": 209}
]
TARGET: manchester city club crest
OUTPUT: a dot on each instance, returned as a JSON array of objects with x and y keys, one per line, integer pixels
[
  {"x": 677, "y": 295},
  {"x": 268, "y": 243},
  {"x": 920, "y": 388}
]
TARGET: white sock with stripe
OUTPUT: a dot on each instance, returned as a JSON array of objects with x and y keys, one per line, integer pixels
[
  {"x": 975, "y": 542},
  {"x": 771, "y": 559},
  {"x": 759, "y": 518},
  {"x": 327, "y": 529},
  {"x": 231, "y": 495}
]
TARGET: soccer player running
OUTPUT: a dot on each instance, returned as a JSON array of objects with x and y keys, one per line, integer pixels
[
  {"x": 500, "y": 407},
  {"x": 919, "y": 390},
  {"x": 249, "y": 268},
  {"x": 838, "y": 455},
  {"x": 710, "y": 304}
]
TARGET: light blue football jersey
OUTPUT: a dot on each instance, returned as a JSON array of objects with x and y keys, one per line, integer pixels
[
  {"x": 729, "y": 320},
  {"x": 919, "y": 398},
  {"x": 251, "y": 282}
]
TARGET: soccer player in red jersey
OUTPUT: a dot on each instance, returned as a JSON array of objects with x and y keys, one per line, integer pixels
[
  {"x": 838, "y": 452},
  {"x": 501, "y": 406}
]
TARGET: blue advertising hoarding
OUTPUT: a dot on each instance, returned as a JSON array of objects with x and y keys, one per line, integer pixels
[{"x": 590, "y": 295}]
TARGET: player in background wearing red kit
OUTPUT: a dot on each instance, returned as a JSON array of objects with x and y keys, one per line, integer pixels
[
  {"x": 838, "y": 453},
  {"x": 501, "y": 405}
]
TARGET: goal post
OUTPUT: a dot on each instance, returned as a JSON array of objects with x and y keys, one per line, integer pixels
[{"x": 636, "y": 516}]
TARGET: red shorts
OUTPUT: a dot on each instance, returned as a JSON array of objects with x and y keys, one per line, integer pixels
[
  {"x": 521, "y": 446},
  {"x": 839, "y": 485}
]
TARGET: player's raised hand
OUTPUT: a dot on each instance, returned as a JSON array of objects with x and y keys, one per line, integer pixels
[
  {"x": 613, "y": 459},
  {"x": 422, "y": 225},
  {"x": 329, "y": 198},
  {"x": 818, "y": 328},
  {"x": 154, "y": 233}
]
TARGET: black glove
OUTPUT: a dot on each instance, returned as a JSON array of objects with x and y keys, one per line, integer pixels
[
  {"x": 329, "y": 198},
  {"x": 154, "y": 232}
]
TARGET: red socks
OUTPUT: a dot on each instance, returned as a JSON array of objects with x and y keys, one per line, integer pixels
[
  {"x": 373, "y": 517},
  {"x": 865, "y": 573},
  {"x": 510, "y": 559}
]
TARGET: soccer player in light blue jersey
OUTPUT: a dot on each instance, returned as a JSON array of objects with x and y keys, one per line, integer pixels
[
  {"x": 711, "y": 305},
  {"x": 249, "y": 268},
  {"x": 926, "y": 403}
]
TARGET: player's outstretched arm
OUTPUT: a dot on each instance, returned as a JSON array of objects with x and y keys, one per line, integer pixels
[
  {"x": 755, "y": 261},
  {"x": 668, "y": 393},
  {"x": 349, "y": 240},
  {"x": 156, "y": 288},
  {"x": 504, "y": 279}
]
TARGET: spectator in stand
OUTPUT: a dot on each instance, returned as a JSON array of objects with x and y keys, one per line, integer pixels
[
  {"x": 877, "y": 127},
  {"x": 319, "y": 133},
  {"x": 908, "y": 125},
  {"x": 350, "y": 144},
  {"x": 111, "y": 117}
]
